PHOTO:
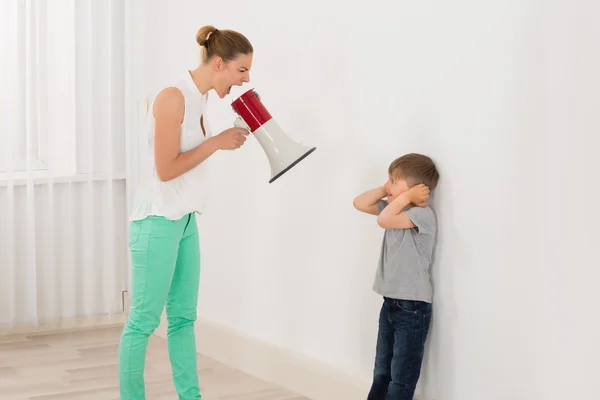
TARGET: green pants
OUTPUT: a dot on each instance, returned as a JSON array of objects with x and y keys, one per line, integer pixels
[{"x": 166, "y": 270}]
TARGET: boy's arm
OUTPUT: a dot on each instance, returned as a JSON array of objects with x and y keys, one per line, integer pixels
[
  {"x": 367, "y": 202},
  {"x": 392, "y": 217}
]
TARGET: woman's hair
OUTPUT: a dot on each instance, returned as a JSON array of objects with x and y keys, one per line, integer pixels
[{"x": 226, "y": 44}]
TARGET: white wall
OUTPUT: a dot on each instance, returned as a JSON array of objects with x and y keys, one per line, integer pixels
[{"x": 502, "y": 95}]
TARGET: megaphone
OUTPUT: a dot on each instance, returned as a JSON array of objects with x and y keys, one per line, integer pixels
[{"x": 283, "y": 153}]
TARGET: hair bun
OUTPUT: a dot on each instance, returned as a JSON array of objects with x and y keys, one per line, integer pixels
[
  {"x": 224, "y": 43},
  {"x": 204, "y": 33}
]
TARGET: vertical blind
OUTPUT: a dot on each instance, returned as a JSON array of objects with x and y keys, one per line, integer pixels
[{"x": 63, "y": 204}]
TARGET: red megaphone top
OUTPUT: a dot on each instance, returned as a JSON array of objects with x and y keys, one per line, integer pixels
[{"x": 251, "y": 109}]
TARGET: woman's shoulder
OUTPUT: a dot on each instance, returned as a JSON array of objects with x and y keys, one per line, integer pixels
[
  {"x": 169, "y": 100},
  {"x": 169, "y": 94}
]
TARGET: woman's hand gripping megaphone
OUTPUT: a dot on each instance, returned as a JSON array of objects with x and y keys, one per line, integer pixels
[
  {"x": 233, "y": 138},
  {"x": 240, "y": 123}
]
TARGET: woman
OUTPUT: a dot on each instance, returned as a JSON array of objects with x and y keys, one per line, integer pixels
[{"x": 163, "y": 236}]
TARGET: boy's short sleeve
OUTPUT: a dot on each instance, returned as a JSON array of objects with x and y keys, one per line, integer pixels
[
  {"x": 423, "y": 218},
  {"x": 382, "y": 204}
]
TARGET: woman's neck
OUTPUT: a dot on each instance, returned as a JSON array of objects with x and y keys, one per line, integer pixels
[{"x": 202, "y": 78}]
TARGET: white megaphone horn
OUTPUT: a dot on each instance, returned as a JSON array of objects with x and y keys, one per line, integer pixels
[{"x": 283, "y": 153}]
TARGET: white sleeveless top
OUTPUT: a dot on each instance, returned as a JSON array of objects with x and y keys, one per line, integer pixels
[{"x": 185, "y": 194}]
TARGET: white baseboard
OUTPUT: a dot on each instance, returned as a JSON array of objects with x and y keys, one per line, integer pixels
[
  {"x": 295, "y": 372},
  {"x": 271, "y": 363},
  {"x": 300, "y": 374}
]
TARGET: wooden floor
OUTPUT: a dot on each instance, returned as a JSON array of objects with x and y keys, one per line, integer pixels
[{"x": 83, "y": 366}]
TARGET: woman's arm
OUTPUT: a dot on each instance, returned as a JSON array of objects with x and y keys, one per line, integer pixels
[{"x": 168, "y": 111}]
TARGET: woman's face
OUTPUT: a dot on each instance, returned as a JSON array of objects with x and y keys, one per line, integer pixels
[{"x": 235, "y": 72}]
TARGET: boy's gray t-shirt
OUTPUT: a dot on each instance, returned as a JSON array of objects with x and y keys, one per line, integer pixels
[{"x": 403, "y": 271}]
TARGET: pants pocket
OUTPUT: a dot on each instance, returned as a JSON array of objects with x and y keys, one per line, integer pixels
[
  {"x": 412, "y": 307},
  {"x": 135, "y": 231}
]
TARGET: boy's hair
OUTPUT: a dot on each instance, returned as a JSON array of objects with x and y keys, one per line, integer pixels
[{"x": 416, "y": 169}]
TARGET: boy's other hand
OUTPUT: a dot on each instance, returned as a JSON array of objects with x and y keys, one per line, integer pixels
[{"x": 418, "y": 195}]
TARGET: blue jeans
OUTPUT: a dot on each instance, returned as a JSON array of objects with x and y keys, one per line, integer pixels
[{"x": 403, "y": 329}]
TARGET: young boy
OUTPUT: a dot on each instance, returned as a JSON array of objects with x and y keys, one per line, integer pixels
[{"x": 402, "y": 276}]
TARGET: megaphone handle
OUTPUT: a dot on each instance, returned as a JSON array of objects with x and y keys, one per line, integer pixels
[{"x": 240, "y": 123}]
